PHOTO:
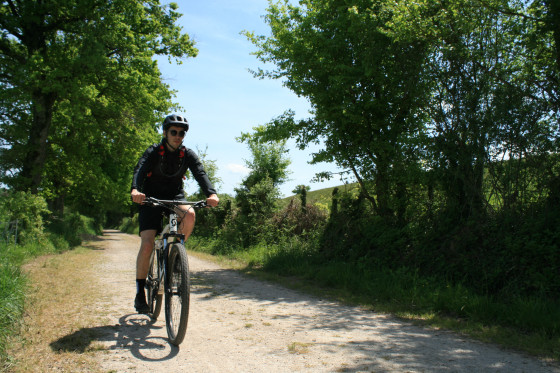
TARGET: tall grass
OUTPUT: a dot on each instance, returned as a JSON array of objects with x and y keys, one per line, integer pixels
[
  {"x": 12, "y": 291},
  {"x": 13, "y": 288},
  {"x": 12, "y": 297}
]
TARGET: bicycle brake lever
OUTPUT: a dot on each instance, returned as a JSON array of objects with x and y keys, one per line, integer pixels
[
  {"x": 201, "y": 204},
  {"x": 149, "y": 201}
]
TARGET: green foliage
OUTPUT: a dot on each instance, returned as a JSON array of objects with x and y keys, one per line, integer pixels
[
  {"x": 245, "y": 225},
  {"x": 398, "y": 88},
  {"x": 29, "y": 210},
  {"x": 210, "y": 221},
  {"x": 300, "y": 189},
  {"x": 130, "y": 225},
  {"x": 259, "y": 200},
  {"x": 365, "y": 88},
  {"x": 269, "y": 161},
  {"x": 82, "y": 96},
  {"x": 293, "y": 219},
  {"x": 38, "y": 227},
  {"x": 211, "y": 170},
  {"x": 73, "y": 227},
  {"x": 256, "y": 199},
  {"x": 446, "y": 113}
]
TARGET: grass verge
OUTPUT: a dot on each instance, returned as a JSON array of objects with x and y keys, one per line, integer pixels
[{"x": 55, "y": 315}]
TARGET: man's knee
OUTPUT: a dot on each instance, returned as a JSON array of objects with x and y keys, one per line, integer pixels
[
  {"x": 188, "y": 215},
  {"x": 147, "y": 239}
]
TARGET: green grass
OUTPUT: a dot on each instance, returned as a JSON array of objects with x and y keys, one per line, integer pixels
[
  {"x": 12, "y": 299},
  {"x": 12, "y": 293}
]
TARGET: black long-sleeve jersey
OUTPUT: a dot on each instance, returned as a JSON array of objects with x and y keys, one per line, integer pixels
[{"x": 159, "y": 172}]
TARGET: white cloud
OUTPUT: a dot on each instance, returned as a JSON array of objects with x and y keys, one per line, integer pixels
[{"x": 238, "y": 168}]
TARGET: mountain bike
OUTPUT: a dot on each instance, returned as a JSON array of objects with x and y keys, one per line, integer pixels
[{"x": 169, "y": 272}]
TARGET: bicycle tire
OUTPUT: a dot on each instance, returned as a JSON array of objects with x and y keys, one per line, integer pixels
[
  {"x": 177, "y": 294},
  {"x": 154, "y": 292}
]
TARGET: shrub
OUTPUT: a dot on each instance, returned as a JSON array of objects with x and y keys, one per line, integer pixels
[
  {"x": 28, "y": 209},
  {"x": 130, "y": 225},
  {"x": 74, "y": 227},
  {"x": 209, "y": 221},
  {"x": 294, "y": 219}
]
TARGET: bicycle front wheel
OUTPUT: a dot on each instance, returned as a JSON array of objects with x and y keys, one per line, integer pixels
[{"x": 177, "y": 294}]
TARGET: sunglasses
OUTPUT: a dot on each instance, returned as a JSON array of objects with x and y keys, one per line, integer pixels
[{"x": 175, "y": 133}]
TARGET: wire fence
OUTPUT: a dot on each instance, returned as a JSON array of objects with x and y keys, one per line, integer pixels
[{"x": 9, "y": 231}]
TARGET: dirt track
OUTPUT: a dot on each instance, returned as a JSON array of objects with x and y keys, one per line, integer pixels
[{"x": 237, "y": 324}]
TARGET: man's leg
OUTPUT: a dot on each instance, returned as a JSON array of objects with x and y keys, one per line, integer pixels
[
  {"x": 187, "y": 222},
  {"x": 147, "y": 238}
]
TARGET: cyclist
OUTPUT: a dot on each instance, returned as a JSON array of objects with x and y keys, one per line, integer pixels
[{"x": 160, "y": 173}]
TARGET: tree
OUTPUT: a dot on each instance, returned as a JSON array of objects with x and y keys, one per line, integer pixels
[
  {"x": 402, "y": 88},
  {"x": 79, "y": 85},
  {"x": 302, "y": 190},
  {"x": 269, "y": 169},
  {"x": 364, "y": 85},
  {"x": 211, "y": 169},
  {"x": 489, "y": 66}
]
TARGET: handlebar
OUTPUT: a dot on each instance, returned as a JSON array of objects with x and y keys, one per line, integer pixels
[{"x": 151, "y": 201}]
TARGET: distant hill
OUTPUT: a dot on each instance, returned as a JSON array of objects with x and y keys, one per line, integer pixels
[{"x": 322, "y": 196}]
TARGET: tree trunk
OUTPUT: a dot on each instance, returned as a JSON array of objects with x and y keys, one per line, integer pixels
[{"x": 34, "y": 162}]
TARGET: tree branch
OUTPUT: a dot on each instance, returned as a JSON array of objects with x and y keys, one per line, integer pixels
[
  {"x": 13, "y": 8},
  {"x": 364, "y": 190},
  {"x": 6, "y": 49}
]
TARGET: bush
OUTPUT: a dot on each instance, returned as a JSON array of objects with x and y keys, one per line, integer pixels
[
  {"x": 130, "y": 225},
  {"x": 294, "y": 219},
  {"x": 209, "y": 221},
  {"x": 73, "y": 228},
  {"x": 28, "y": 209}
]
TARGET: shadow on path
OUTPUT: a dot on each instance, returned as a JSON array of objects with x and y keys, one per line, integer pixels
[{"x": 134, "y": 333}]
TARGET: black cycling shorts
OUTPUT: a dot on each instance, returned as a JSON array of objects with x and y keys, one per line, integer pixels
[{"x": 151, "y": 217}]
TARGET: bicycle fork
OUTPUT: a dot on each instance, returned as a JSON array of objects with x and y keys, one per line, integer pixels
[{"x": 165, "y": 258}]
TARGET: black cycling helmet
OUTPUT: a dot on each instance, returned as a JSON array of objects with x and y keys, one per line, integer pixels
[{"x": 175, "y": 120}]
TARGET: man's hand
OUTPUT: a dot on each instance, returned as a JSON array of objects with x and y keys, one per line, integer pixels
[
  {"x": 137, "y": 196},
  {"x": 212, "y": 200}
]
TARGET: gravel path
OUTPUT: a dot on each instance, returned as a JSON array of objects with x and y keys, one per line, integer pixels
[{"x": 238, "y": 324}]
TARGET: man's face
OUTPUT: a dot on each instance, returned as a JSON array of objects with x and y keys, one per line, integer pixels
[{"x": 175, "y": 136}]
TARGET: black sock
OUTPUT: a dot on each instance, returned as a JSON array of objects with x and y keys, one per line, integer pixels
[{"x": 140, "y": 285}]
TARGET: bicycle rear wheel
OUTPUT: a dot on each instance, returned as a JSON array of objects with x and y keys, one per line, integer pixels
[
  {"x": 154, "y": 290},
  {"x": 177, "y": 294}
]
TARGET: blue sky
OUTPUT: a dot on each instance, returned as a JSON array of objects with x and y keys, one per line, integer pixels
[{"x": 220, "y": 97}]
